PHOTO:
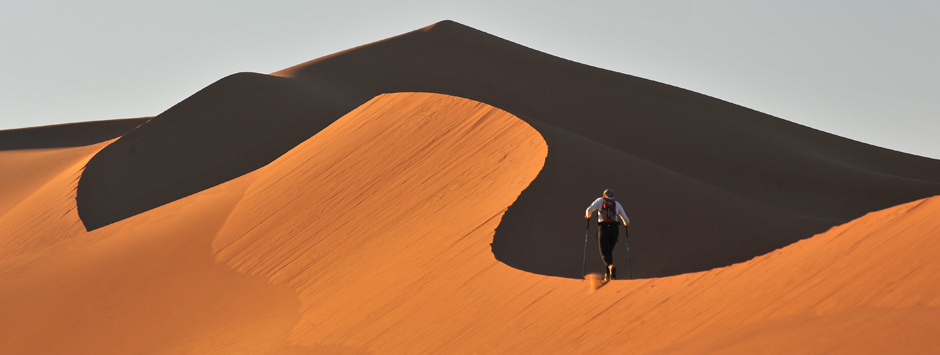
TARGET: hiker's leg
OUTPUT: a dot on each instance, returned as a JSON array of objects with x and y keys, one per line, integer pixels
[
  {"x": 613, "y": 230},
  {"x": 607, "y": 238}
]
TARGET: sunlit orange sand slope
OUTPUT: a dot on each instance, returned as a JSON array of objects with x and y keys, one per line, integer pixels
[
  {"x": 403, "y": 190},
  {"x": 374, "y": 236}
]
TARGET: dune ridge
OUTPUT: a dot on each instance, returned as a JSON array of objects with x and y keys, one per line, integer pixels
[
  {"x": 67, "y": 135},
  {"x": 226, "y": 130}
]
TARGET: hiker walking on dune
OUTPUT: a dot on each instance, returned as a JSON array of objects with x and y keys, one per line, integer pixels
[{"x": 610, "y": 215}]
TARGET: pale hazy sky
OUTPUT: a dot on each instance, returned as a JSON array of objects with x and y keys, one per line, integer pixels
[{"x": 866, "y": 70}]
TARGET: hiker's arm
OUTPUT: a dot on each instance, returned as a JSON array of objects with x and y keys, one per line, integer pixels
[
  {"x": 596, "y": 205},
  {"x": 623, "y": 215}
]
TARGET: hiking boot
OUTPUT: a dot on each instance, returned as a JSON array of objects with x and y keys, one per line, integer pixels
[{"x": 612, "y": 271}]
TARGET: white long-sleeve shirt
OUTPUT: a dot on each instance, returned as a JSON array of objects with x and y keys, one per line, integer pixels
[{"x": 596, "y": 205}]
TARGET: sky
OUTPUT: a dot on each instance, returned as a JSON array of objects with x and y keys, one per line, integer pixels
[{"x": 865, "y": 70}]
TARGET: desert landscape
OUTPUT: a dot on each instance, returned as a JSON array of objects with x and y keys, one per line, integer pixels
[{"x": 424, "y": 194}]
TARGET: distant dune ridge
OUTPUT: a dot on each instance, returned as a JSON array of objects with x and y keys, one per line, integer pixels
[
  {"x": 67, "y": 135},
  {"x": 424, "y": 194}
]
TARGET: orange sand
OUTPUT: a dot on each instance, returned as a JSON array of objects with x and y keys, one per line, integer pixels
[{"x": 373, "y": 237}]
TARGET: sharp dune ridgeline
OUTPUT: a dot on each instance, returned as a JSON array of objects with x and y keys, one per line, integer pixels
[{"x": 424, "y": 194}]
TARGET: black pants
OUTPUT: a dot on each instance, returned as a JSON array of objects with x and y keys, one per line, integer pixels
[{"x": 607, "y": 234}]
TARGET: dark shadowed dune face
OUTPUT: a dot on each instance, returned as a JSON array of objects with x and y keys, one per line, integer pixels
[
  {"x": 230, "y": 128},
  {"x": 706, "y": 183}
]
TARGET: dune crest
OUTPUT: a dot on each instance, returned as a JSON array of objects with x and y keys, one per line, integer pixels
[{"x": 67, "y": 135}]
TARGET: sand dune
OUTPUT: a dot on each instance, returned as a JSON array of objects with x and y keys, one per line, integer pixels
[
  {"x": 713, "y": 183},
  {"x": 423, "y": 194}
]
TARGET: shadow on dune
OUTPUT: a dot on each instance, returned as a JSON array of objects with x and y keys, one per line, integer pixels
[
  {"x": 706, "y": 183},
  {"x": 228, "y": 129}
]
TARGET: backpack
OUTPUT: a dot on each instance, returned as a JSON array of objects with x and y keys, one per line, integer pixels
[{"x": 608, "y": 211}]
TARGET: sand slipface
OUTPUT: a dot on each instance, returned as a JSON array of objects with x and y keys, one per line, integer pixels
[{"x": 226, "y": 130}]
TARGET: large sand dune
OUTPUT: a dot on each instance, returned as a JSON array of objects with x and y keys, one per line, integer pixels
[
  {"x": 423, "y": 194},
  {"x": 708, "y": 182}
]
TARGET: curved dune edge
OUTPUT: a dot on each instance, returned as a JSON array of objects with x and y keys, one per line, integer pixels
[{"x": 404, "y": 190}]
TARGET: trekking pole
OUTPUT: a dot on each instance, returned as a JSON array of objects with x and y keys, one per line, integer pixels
[
  {"x": 626, "y": 240},
  {"x": 587, "y": 228}
]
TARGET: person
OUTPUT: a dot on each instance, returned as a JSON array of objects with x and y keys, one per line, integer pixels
[{"x": 610, "y": 215}]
